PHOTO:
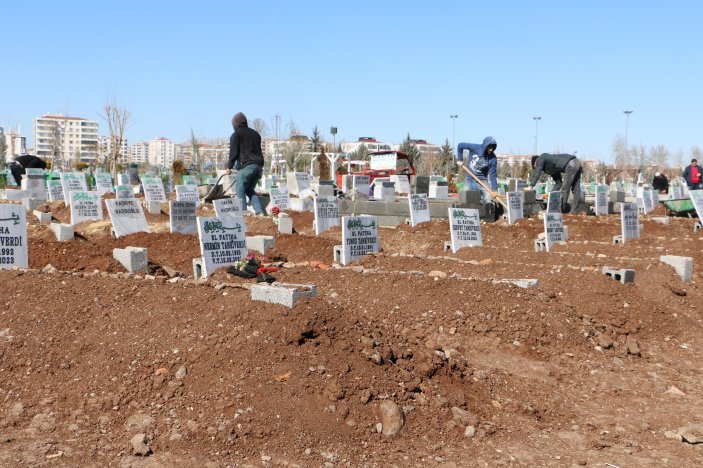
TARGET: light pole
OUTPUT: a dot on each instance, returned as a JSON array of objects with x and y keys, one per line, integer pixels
[
  {"x": 453, "y": 117},
  {"x": 627, "y": 125},
  {"x": 536, "y": 119}
]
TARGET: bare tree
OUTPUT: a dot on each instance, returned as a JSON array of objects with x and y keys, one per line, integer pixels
[
  {"x": 678, "y": 159},
  {"x": 117, "y": 119},
  {"x": 640, "y": 157},
  {"x": 196, "y": 151},
  {"x": 621, "y": 153},
  {"x": 696, "y": 153},
  {"x": 260, "y": 126},
  {"x": 659, "y": 156},
  {"x": 292, "y": 128}
]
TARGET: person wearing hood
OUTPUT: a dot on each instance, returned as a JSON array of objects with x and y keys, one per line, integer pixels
[
  {"x": 660, "y": 183},
  {"x": 22, "y": 162},
  {"x": 246, "y": 156},
  {"x": 555, "y": 165},
  {"x": 482, "y": 162}
]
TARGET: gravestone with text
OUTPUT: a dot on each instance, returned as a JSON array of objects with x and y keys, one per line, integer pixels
[
  {"x": 279, "y": 197},
  {"x": 127, "y": 216},
  {"x": 222, "y": 242},
  {"x": 601, "y": 199},
  {"x": 55, "y": 189},
  {"x": 402, "y": 184},
  {"x": 554, "y": 202},
  {"x": 359, "y": 237},
  {"x": 182, "y": 217},
  {"x": 124, "y": 191},
  {"x": 360, "y": 184},
  {"x": 553, "y": 229},
  {"x": 103, "y": 183},
  {"x": 419, "y": 208},
  {"x": 187, "y": 193},
  {"x": 326, "y": 211},
  {"x": 13, "y": 237},
  {"x": 86, "y": 206},
  {"x": 465, "y": 226},
  {"x": 72, "y": 182},
  {"x": 153, "y": 190},
  {"x": 630, "y": 220},
  {"x": 515, "y": 207}
]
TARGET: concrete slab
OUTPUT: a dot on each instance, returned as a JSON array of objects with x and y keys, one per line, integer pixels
[
  {"x": 64, "y": 232},
  {"x": 682, "y": 265},
  {"x": 624, "y": 275},
  {"x": 284, "y": 294},
  {"x": 44, "y": 218},
  {"x": 132, "y": 258},
  {"x": 260, "y": 244}
]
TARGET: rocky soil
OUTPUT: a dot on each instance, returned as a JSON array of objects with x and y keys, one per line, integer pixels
[{"x": 411, "y": 357}]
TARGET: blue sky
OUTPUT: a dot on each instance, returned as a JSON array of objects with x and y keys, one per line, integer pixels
[{"x": 382, "y": 69}]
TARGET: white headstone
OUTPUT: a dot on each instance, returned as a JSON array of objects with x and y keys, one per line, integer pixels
[
  {"x": 298, "y": 182},
  {"x": 187, "y": 193},
  {"x": 697, "y": 199},
  {"x": 438, "y": 191},
  {"x": 182, "y": 217},
  {"x": 359, "y": 237},
  {"x": 124, "y": 191},
  {"x": 465, "y": 226},
  {"x": 601, "y": 199},
  {"x": 190, "y": 180},
  {"x": 646, "y": 195},
  {"x": 55, "y": 190},
  {"x": 361, "y": 185},
  {"x": 630, "y": 220},
  {"x": 103, "y": 183},
  {"x": 13, "y": 237},
  {"x": 72, "y": 182},
  {"x": 154, "y": 190},
  {"x": 402, "y": 184},
  {"x": 127, "y": 216},
  {"x": 554, "y": 202},
  {"x": 326, "y": 213},
  {"x": 123, "y": 179},
  {"x": 384, "y": 190},
  {"x": 222, "y": 242},
  {"x": 228, "y": 207},
  {"x": 419, "y": 208},
  {"x": 515, "y": 208},
  {"x": 86, "y": 206},
  {"x": 279, "y": 197},
  {"x": 553, "y": 229}
]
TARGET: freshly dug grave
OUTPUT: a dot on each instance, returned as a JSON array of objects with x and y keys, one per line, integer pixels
[{"x": 457, "y": 365}]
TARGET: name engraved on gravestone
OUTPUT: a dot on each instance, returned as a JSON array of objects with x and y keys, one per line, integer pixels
[
  {"x": 124, "y": 191},
  {"x": 402, "y": 184},
  {"x": 515, "y": 207},
  {"x": 182, "y": 217},
  {"x": 103, "y": 183},
  {"x": 13, "y": 237},
  {"x": 190, "y": 180},
  {"x": 697, "y": 199},
  {"x": 554, "y": 202},
  {"x": 187, "y": 193},
  {"x": 601, "y": 199},
  {"x": 419, "y": 208},
  {"x": 154, "y": 190},
  {"x": 647, "y": 200},
  {"x": 630, "y": 221},
  {"x": 86, "y": 206},
  {"x": 465, "y": 227},
  {"x": 127, "y": 216},
  {"x": 222, "y": 242},
  {"x": 359, "y": 237},
  {"x": 279, "y": 197},
  {"x": 302, "y": 179},
  {"x": 326, "y": 213},
  {"x": 72, "y": 182},
  {"x": 55, "y": 189},
  {"x": 553, "y": 229},
  {"x": 361, "y": 184}
]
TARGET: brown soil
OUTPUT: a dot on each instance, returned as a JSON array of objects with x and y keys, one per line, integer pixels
[{"x": 571, "y": 372}]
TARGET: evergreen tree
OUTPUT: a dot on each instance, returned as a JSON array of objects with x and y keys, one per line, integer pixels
[
  {"x": 316, "y": 139},
  {"x": 410, "y": 148},
  {"x": 362, "y": 153},
  {"x": 3, "y": 150},
  {"x": 446, "y": 157}
]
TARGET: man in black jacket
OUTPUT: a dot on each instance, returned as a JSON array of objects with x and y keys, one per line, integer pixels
[
  {"x": 245, "y": 155},
  {"x": 555, "y": 165},
  {"x": 20, "y": 163}
]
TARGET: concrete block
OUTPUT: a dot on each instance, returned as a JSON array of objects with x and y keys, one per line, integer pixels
[
  {"x": 618, "y": 240},
  {"x": 44, "y": 218},
  {"x": 198, "y": 270},
  {"x": 31, "y": 203},
  {"x": 132, "y": 258},
  {"x": 616, "y": 197},
  {"x": 682, "y": 265},
  {"x": 301, "y": 204},
  {"x": 261, "y": 244},
  {"x": 697, "y": 226},
  {"x": 337, "y": 253},
  {"x": 284, "y": 294},
  {"x": 522, "y": 283},
  {"x": 661, "y": 220},
  {"x": 64, "y": 232},
  {"x": 540, "y": 245},
  {"x": 153, "y": 208},
  {"x": 408, "y": 221},
  {"x": 447, "y": 246},
  {"x": 624, "y": 275},
  {"x": 285, "y": 224}
]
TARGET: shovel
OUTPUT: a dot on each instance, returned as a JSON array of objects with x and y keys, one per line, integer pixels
[{"x": 486, "y": 187}]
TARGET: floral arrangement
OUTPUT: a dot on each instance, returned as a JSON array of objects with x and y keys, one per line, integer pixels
[
  {"x": 275, "y": 210},
  {"x": 251, "y": 266}
]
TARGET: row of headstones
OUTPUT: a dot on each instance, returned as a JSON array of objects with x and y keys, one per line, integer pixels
[{"x": 386, "y": 188}]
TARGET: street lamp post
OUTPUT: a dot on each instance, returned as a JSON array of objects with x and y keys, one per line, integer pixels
[
  {"x": 536, "y": 119},
  {"x": 453, "y": 117},
  {"x": 627, "y": 125}
]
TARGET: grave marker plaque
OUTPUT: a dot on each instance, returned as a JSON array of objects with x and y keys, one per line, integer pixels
[
  {"x": 465, "y": 226},
  {"x": 153, "y": 190},
  {"x": 697, "y": 199},
  {"x": 182, "y": 217},
  {"x": 228, "y": 207},
  {"x": 103, "y": 183},
  {"x": 72, "y": 182},
  {"x": 13, "y": 237},
  {"x": 190, "y": 180},
  {"x": 127, "y": 216},
  {"x": 419, "y": 209},
  {"x": 601, "y": 199},
  {"x": 630, "y": 220},
  {"x": 279, "y": 197},
  {"x": 361, "y": 184},
  {"x": 124, "y": 191},
  {"x": 86, "y": 206},
  {"x": 553, "y": 229},
  {"x": 515, "y": 209},
  {"x": 402, "y": 184},
  {"x": 326, "y": 213},
  {"x": 187, "y": 193},
  {"x": 55, "y": 190},
  {"x": 359, "y": 237},
  {"x": 222, "y": 242},
  {"x": 554, "y": 202}
]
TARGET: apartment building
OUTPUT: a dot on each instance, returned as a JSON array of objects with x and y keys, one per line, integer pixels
[
  {"x": 106, "y": 145},
  {"x": 66, "y": 140},
  {"x": 370, "y": 143},
  {"x": 139, "y": 153},
  {"x": 162, "y": 152}
]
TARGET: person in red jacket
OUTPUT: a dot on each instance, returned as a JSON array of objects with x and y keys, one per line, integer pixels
[{"x": 692, "y": 174}]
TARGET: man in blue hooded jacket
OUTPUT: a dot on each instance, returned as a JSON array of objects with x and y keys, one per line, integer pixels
[{"x": 482, "y": 162}]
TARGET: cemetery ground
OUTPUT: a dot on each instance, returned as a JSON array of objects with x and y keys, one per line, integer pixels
[{"x": 452, "y": 363}]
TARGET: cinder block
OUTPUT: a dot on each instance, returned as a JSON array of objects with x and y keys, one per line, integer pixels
[
  {"x": 260, "y": 244},
  {"x": 285, "y": 224},
  {"x": 198, "y": 270},
  {"x": 682, "y": 265},
  {"x": 153, "y": 208},
  {"x": 540, "y": 245},
  {"x": 31, "y": 203},
  {"x": 64, "y": 232},
  {"x": 132, "y": 258},
  {"x": 337, "y": 253},
  {"x": 44, "y": 218},
  {"x": 624, "y": 275},
  {"x": 616, "y": 197},
  {"x": 282, "y": 293},
  {"x": 661, "y": 220},
  {"x": 618, "y": 240}
]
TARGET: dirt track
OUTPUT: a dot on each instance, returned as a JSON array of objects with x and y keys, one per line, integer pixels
[{"x": 579, "y": 370}]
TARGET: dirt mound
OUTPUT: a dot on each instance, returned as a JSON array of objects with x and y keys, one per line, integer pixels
[{"x": 410, "y": 357}]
